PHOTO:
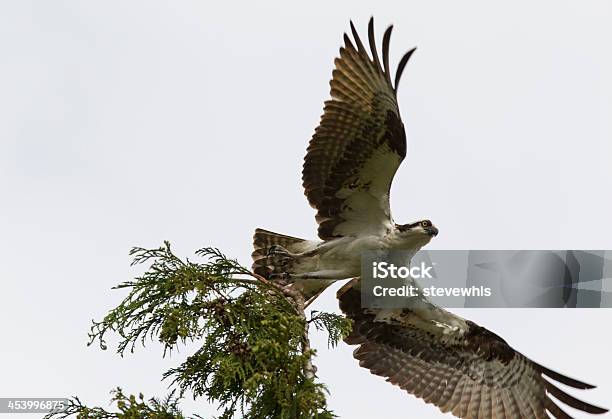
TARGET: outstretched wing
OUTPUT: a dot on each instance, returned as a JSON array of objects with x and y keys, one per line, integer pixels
[
  {"x": 466, "y": 369},
  {"x": 359, "y": 144}
]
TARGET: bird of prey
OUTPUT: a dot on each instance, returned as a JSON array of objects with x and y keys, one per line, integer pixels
[{"x": 446, "y": 360}]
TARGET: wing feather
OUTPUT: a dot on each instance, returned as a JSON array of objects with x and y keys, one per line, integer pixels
[
  {"x": 470, "y": 372},
  {"x": 359, "y": 144},
  {"x": 401, "y": 66}
]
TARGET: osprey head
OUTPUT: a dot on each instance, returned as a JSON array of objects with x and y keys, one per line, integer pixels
[{"x": 423, "y": 229}]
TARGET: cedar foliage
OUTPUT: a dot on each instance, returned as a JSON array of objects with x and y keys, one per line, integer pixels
[{"x": 255, "y": 359}]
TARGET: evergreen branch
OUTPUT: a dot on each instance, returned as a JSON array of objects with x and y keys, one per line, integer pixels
[
  {"x": 255, "y": 359},
  {"x": 130, "y": 407},
  {"x": 338, "y": 327}
]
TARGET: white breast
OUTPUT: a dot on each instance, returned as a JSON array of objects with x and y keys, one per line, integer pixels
[{"x": 345, "y": 253}]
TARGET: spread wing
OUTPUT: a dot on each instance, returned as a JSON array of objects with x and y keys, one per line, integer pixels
[
  {"x": 466, "y": 370},
  {"x": 359, "y": 144}
]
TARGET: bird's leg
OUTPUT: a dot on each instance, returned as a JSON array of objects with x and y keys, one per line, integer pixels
[
  {"x": 307, "y": 254},
  {"x": 277, "y": 250},
  {"x": 330, "y": 274},
  {"x": 323, "y": 274}
]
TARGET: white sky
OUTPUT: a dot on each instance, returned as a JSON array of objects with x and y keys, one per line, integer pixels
[{"x": 127, "y": 123}]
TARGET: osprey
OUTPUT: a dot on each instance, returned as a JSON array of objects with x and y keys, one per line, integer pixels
[{"x": 351, "y": 160}]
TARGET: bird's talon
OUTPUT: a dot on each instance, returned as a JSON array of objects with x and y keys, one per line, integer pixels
[{"x": 277, "y": 251}]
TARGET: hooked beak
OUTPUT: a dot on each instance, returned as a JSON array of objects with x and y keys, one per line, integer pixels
[{"x": 432, "y": 231}]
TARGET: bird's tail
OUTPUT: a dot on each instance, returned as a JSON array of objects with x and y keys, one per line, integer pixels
[{"x": 266, "y": 263}]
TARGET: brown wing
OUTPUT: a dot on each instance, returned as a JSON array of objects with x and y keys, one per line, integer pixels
[
  {"x": 474, "y": 375},
  {"x": 359, "y": 144}
]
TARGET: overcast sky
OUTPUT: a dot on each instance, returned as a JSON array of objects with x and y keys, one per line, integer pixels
[{"x": 130, "y": 123}]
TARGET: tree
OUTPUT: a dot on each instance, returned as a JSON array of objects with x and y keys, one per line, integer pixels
[{"x": 255, "y": 359}]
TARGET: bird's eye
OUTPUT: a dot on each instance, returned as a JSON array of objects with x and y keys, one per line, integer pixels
[{"x": 425, "y": 223}]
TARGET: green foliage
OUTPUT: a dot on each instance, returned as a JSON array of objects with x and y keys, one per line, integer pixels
[
  {"x": 255, "y": 360},
  {"x": 337, "y": 326},
  {"x": 130, "y": 407}
]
